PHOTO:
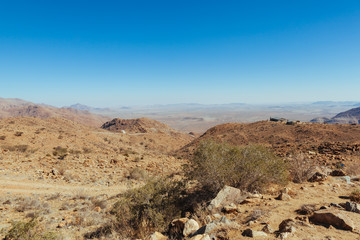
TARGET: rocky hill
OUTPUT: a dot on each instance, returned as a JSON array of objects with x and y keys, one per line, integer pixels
[
  {"x": 159, "y": 135},
  {"x": 351, "y": 116},
  {"x": 21, "y": 108},
  {"x": 323, "y": 142}
]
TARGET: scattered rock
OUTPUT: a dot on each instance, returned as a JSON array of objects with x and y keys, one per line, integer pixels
[
  {"x": 352, "y": 207},
  {"x": 226, "y": 196},
  {"x": 190, "y": 227},
  {"x": 306, "y": 209},
  {"x": 332, "y": 217},
  {"x": 317, "y": 177},
  {"x": 231, "y": 208},
  {"x": 334, "y": 205},
  {"x": 251, "y": 233},
  {"x": 288, "y": 225},
  {"x": 268, "y": 229},
  {"x": 177, "y": 226},
  {"x": 347, "y": 179},
  {"x": 283, "y": 197},
  {"x": 338, "y": 172},
  {"x": 201, "y": 237},
  {"x": 158, "y": 236},
  {"x": 223, "y": 222}
]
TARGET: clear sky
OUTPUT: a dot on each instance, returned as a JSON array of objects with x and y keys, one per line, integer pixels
[{"x": 110, "y": 53}]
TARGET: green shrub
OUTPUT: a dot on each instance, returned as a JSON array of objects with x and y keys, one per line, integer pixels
[
  {"x": 29, "y": 231},
  {"x": 150, "y": 208},
  {"x": 250, "y": 168}
]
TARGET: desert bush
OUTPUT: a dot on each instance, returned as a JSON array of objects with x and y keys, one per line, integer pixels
[
  {"x": 138, "y": 174},
  {"x": 60, "y": 152},
  {"x": 28, "y": 203},
  {"x": 2, "y": 137},
  {"x": 149, "y": 208},
  {"x": 87, "y": 150},
  {"x": 300, "y": 167},
  {"x": 74, "y": 151},
  {"x": 250, "y": 168},
  {"x": 29, "y": 231},
  {"x": 355, "y": 196},
  {"x": 16, "y": 148},
  {"x": 18, "y": 134}
]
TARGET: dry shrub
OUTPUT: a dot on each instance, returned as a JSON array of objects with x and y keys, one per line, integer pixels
[
  {"x": 15, "y": 148},
  {"x": 307, "y": 209},
  {"x": 80, "y": 194},
  {"x": 250, "y": 168},
  {"x": 30, "y": 230},
  {"x": 54, "y": 196},
  {"x": 87, "y": 150},
  {"x": 150, "y": 208},
  {"x": 254, "y": 215},
  {"x": 18, "y": 134},
  {"x": 300, "y": 168},
  {"x": 138, "y": 174},
  {"x": 60, "y": 152},
  {"x": 355, "y": 196},
  {"x": 27, "y": 203},
  {"x": 2, "y": 137}
]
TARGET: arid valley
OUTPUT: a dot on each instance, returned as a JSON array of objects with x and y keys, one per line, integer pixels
[{"x": 68, "y": 171}]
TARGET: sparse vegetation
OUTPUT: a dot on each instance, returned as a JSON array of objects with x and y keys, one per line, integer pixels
[
  {"x": 138, "y": 174},
  {"x": 60, "y": 152},
  {"x": 18, "y": 134},
  {"x": 146, "y": 209},
  {"x": 250, "y": 168},
  {"x": 16, "y": 148},
  {"x": 87, "y": 150},
  {"x": 355, "y": 196},
  {"x": 300, "y": 167},
  {"x": 29, "y": 230}
]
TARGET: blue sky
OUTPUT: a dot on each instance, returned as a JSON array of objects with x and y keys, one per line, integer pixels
[{"x": 110, "y": 53}]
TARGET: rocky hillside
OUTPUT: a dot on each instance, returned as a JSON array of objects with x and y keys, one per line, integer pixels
[
  {"x": 159, "y": 135},
  {"x": 351, "y": 116},
  {"x": 323, "y": 142},
  {"x": 21, "y": 108}
]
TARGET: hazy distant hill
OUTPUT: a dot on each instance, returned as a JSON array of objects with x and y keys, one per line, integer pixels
[
  {"x": 83, "y": 107},
  {"x": 350, "y": 116},
  {"x": 21, "y": 108}
]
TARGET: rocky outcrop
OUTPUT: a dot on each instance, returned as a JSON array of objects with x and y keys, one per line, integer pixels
[
  {"x": 332, "y": 217},
  {"x": 227, "y": 195}
]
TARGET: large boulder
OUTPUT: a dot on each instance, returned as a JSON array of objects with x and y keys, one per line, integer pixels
[
  {"x": 190, "y": 227},
  {"x": 288, "y": 225},
  {"x": 332, "y": 217},
  {"x": 226, "y": 196},
  {"x": 318, "y": 177},
  {"x": 176, "y": 227},
  {"x": 352, "y": 207},
  {"x": 223, "y": 222},
  {"x": 157, "y": 236},
  {"x": 251, "y": 233}
]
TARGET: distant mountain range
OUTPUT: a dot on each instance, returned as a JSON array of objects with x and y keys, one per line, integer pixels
[
  {"x": 11, "y": 107},
  {"x": 350, "y": 116}
]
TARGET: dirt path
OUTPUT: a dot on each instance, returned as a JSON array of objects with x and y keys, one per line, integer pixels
[{"x": 8, "y": 185}]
